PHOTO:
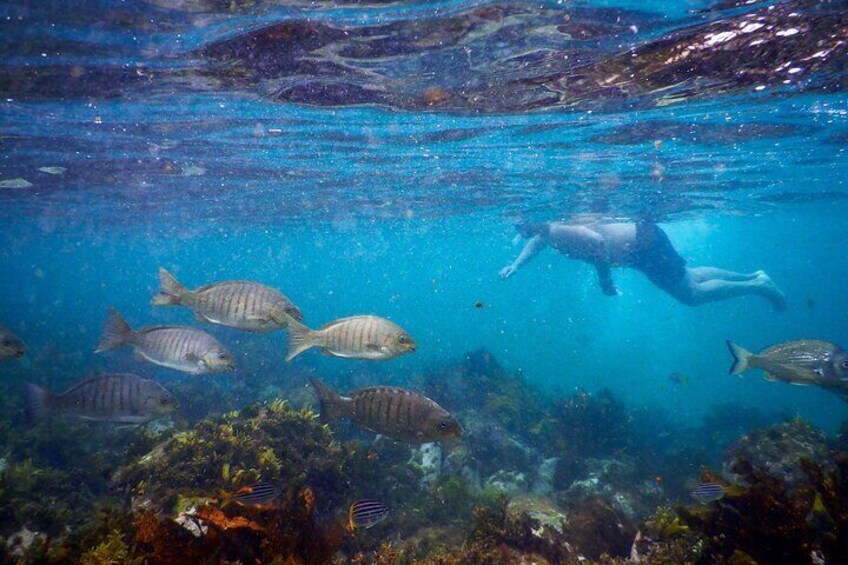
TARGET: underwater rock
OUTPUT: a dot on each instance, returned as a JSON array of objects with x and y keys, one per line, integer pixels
[
  {"x": 18, "y": 543},
  {"x": 506, "y": 482},
  {"x": 539, "y": 509},
  {"x": 429, "y": 458},
  {"x": 604, "y": 477},
  {"x": 543, "y": 485},
  {"x": 778, "y": 450},
  {"x": 495, "y": 447},
  {"x": 596, "y": 528}
]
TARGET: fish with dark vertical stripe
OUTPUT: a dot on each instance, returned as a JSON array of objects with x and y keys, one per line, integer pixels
[
  {"x": 358, "y": 337},
  {"x": 119, "y": 397},
  {"x": 243, "y": 305},
  {"x": 415, "y": 418},
  {"x": 177, "y": 347}
]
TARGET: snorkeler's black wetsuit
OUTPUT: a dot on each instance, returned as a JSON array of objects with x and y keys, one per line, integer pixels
[{"x": 653, "y": 254}]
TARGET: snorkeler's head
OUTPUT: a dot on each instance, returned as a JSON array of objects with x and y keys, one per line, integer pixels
[{"x": 531, "y": 229}]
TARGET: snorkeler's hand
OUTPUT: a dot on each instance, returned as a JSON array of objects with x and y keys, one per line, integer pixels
[
  {"x": 507, "y": 271},
  {"x": 610, "y": 290}
]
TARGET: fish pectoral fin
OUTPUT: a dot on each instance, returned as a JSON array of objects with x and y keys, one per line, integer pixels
[
  {"x": 201, "y": 318},
  {"x": 373, "y": 347},
  {"x": 769, "y": 377}
]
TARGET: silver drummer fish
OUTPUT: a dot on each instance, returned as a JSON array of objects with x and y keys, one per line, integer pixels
[
  {"x": 119, "y": 397},
  {"x": 391, "y": 411},
  {"x": 243, "y": 305},
  {"x": 802, "y": 362},
  {"x": 177, "y": 347},
  {"x": 359, "y": 337}
]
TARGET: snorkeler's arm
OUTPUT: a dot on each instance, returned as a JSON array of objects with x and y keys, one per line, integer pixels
[
  {"x": 531, "y": 249},
  {"x": 605, "y": 278}
]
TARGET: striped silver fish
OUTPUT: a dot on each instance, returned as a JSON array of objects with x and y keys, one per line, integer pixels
[
  {"x": 11, "y": 346},
  {"x": 258, "y": 494},
  {"x": 394, "y": 412},
  {"x": 243, "y": 305},
  {"x": 366, "y": 514},
  {"x": 119, "y": 397},
  {"x": 708, "y": 492},
  {"x": 177, "y": 347},
  {"x": 360, "y": 337}
]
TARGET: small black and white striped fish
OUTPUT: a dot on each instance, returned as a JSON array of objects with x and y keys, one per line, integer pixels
[
  {"x": 366, "y": 513},
  {"x": 708, "y": 492},
  {"x": 257, "y": 494}
]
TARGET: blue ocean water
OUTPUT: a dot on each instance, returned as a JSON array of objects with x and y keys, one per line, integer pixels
[{"x": 405, "y": 211}]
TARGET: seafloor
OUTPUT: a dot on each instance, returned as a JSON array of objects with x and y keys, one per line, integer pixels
[{"x": 580, "y": 479}]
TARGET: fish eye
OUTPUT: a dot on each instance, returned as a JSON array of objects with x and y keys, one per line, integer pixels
[
  {"x": 845, "y": 364},
  {"x": 402, "y": 339},
  {"x": 223, "y": 356},
  {"x": 7, "y": 341},
  {"x": 444, "y": 424}
]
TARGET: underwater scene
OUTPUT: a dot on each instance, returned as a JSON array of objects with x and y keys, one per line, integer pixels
[{"x": 424, "y": 282}]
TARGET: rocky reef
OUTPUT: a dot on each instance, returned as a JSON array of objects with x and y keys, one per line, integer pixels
[{"x": 535, "y": 479}]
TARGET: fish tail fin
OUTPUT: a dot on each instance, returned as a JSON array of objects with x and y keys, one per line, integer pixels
[
  {"x": 116, "y": 332},
  {"x": 224, "y": 499},
  {"x": 171, "y": 292},
  {"x": 301, "y": 338},
  {"x": 332, "y": 405},
  {"x": 37, "y": 403},
  {"x": 741, "y": 356}
]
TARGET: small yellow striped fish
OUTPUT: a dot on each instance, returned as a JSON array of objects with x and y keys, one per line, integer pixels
[
  {"x": 366, "y": 514},
  {"x": 257, "y": 494},
  {"x": 358, "y": 337},
  {"x": 243, "y": 305}
]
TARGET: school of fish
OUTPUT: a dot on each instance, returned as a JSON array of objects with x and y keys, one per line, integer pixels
[{"x": 394, "y": 412}]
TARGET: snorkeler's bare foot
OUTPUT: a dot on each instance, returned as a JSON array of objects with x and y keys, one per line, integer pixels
[{"x": 772, "y": 292}]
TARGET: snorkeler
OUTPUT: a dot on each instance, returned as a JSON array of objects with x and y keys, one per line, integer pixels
[{"x": 645, "y": 247}]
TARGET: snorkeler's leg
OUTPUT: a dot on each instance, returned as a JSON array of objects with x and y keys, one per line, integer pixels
[
  {"x": 703, "y": 274},
  {"x": 716, "y": 289}
]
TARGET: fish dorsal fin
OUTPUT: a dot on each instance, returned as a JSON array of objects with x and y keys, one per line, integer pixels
[
  {"x": 329, "y": 325},
  {"x": 90, "y": 380},
  {"x": 220, "y": 284}
]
